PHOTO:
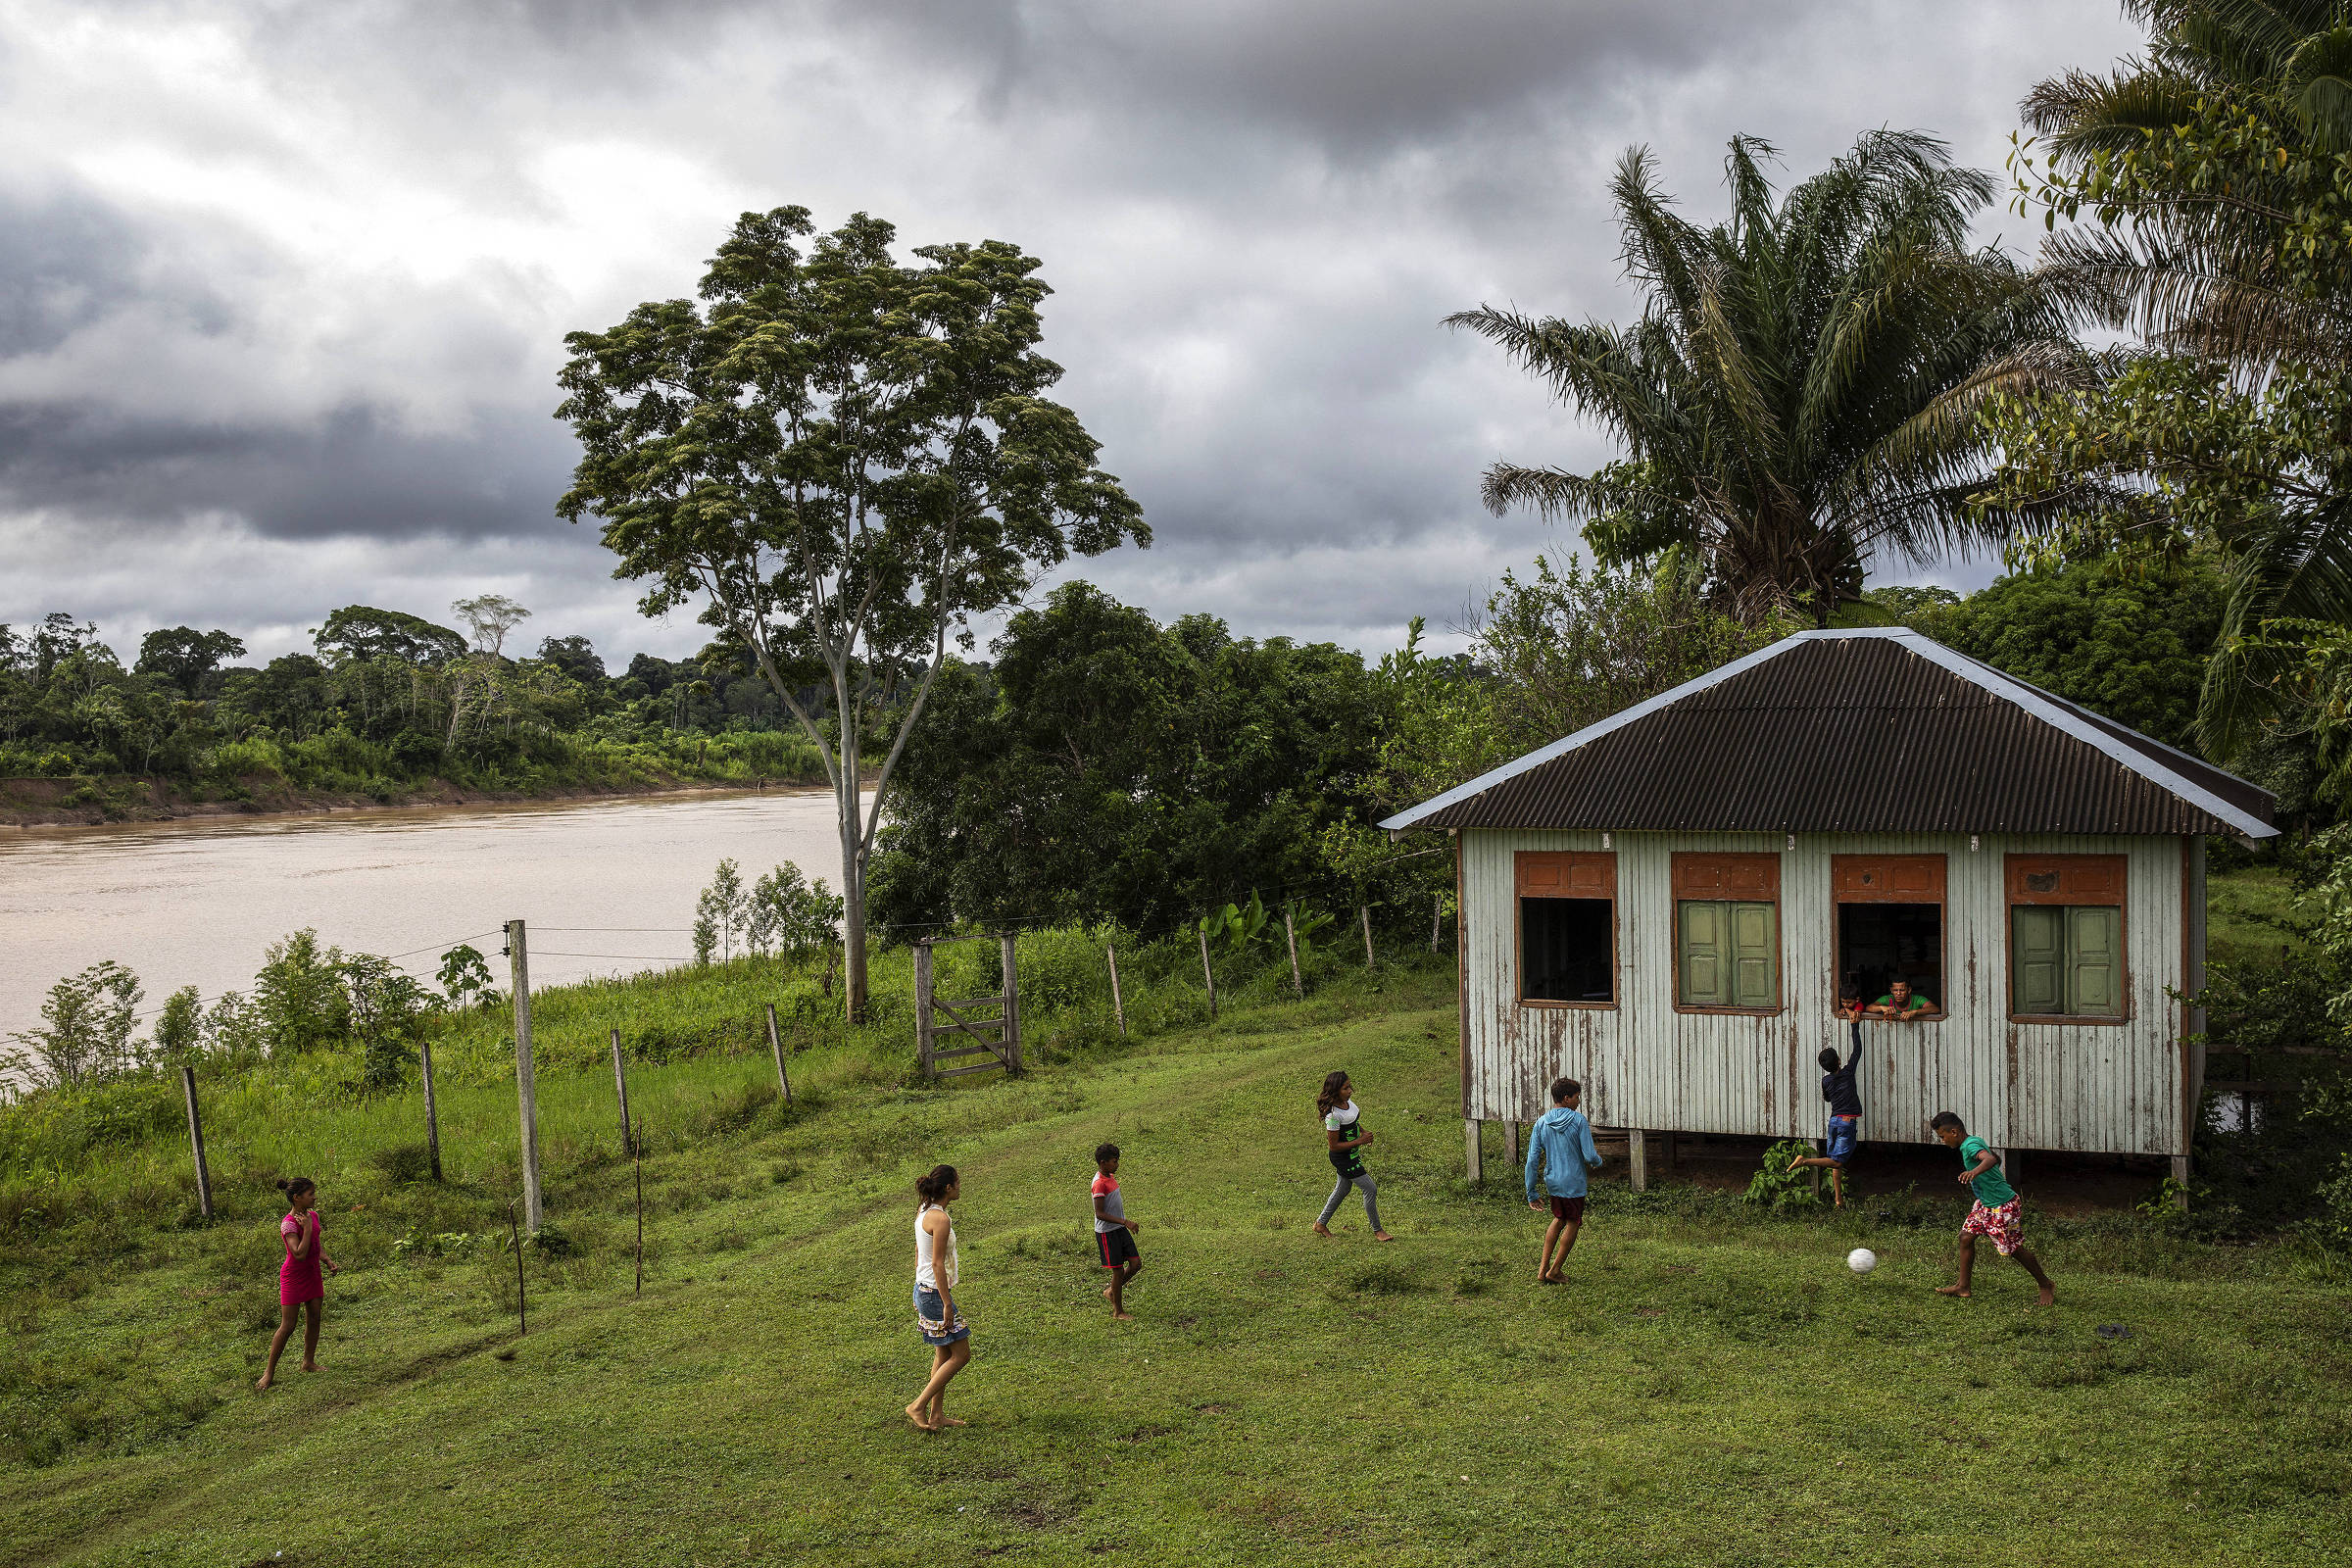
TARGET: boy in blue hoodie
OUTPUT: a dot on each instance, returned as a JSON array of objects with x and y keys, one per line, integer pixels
[{"x": 1562, "y": 1145}]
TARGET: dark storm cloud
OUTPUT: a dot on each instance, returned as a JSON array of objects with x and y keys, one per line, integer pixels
[{"x": 293, "y": 282}]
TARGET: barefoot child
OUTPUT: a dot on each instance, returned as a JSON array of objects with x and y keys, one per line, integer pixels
[
  {"x": 1114, "y": 1232},
  {"x": 941, "y": 1327},
  {"x": 1994, "y": 1212},
  {"x": 1344, "y": 1135},
  {"x": 1562, "y": 1145},
  {"x": 300, "y": 1289},
  {"x": 1845, "y": 1098}
]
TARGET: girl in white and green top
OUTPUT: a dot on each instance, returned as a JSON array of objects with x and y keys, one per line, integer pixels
[{"x": 1346, "y": 1136}]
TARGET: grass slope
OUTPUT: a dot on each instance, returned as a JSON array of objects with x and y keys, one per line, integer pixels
[{"x": 1709, "y": 1387}]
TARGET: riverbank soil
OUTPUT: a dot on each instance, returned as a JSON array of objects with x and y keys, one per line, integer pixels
[
  {"x": 1709, "y": 1386},
  {"x": 87, "y": 802}
]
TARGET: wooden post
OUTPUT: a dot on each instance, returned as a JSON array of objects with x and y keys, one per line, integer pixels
[
  {"x": 526, "y": 1092},
  {"x": 432, "y": 1108},
  {"x": 1437, "y": 918},
  {"x": 1290, "y": 935},
  {"x": 1118, "y": 1008},
  {"x": 1474, "y": 1164},
  {"x": 203, "y": 1177},
  {"x": 922, "y": 1006},
  {"x": 637, "y": 1158},
  {"x": 1510, "y": 1145},
  {"x": 620, "y": 1091},
  {"x": 1012, "y": 1033},
  {"x": 1366, "y": 909},
  {"x": 776, "y": 1046},
  {"x": 2180, "y": 1174},
  {"x": 1208, "y": 976},
  {"x": 1639, "y": 1156},
  {"x": 522, "y": 1318}
]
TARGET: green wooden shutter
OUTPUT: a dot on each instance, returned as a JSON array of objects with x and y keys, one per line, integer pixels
[
  {"x": 2094, "y": 961},
  {"x": 2037, "y": 959},
  {"x": 1755, "y": 948},
  {"x": 1705, "y": 974}
]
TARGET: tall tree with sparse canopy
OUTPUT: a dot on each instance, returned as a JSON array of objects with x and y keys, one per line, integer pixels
[
  {"x": 842, "y": 458},
  {"x": 1801, "y": 394}
]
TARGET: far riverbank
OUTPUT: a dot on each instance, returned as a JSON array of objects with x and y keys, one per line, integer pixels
[{"x": 26, "y": 803}]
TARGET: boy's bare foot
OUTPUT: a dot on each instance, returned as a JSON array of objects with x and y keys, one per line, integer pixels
[
  {"x": 1123, "y": 1317},
  {"x": 310, "y": 1366},
  {"x": 1319, "y": 1230},
  {"x": 950, "y": 1421},
  {"x": 1382, "y": 1235},
  {"x": 2048, "y": 1297},
  {"x": 914, "y": 1413},
  {"x": 1106, "y": 1292},
  {"x": 1798, "y": 1160},
  {"x": 1951, "y": 1290},
  {"x": 262, "y": 1386}
]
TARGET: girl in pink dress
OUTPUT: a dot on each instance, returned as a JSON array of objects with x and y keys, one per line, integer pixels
[{"x": 300, "y": 1284}]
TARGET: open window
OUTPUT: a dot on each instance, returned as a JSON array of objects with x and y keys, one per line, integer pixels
[
  {"x": 1727, "y": 933},
  {"x": 2066, "y": 938},
  {"x": 1567, "y": 928},
  {"x": 1891, "y": 925}
]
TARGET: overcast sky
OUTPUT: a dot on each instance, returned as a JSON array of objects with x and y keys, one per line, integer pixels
[{"x": 283, "y": 284}]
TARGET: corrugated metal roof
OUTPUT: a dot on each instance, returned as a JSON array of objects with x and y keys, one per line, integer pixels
[{"x": 1855, "y": 732}]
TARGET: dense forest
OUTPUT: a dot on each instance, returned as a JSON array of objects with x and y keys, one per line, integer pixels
[{"x": 386, "y": 703}]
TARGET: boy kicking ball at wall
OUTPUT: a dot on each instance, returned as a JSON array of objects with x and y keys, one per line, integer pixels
[
  {"x": 1995, "y": 1212},
  {"x": 1114, "y": 1232}
]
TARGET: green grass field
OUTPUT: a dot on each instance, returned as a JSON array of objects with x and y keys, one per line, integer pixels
[{"x": 1711, "y": 1386}]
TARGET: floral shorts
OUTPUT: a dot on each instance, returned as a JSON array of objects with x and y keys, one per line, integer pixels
[{"x": 2001, "y": 1225}]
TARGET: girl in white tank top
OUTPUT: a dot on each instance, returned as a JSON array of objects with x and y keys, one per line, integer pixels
[
  {"x": 936, "y": 1319},
  {"x": 926, "y": 1272}
]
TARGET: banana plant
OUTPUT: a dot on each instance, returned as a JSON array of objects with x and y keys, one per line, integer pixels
[
  {"x": 1239, "y": 924},
  {"x": 1307, "y": 924}
]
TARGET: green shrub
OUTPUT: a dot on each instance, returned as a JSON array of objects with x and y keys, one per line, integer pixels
[{"x": 1776, "y": 1187}]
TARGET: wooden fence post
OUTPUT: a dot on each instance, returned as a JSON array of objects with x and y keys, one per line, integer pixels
[
  {"x": 1366, "y": 909},
  {"x": 1639, "y": 1155},
  {"x": 523, "y": 1317},
  {"x": 1289, "y": 936},
  {"x": 432, "y": 1108},
  {"x": 922, "y": 1006},
  {"x": 1437, "y": 918},
  {"x": 203, "y": 1177},
  {"x": 776, "y": 1046},
  {"x": 1474, "y": 1164},
  {"x": 527, "y": 1093},
  {"x": 637, "y": 1158},
  {"x": 1208, "y": 976},
  {"x": 1510, "y": 1145},
  {"x": 620, "y": 1091},
  {"x": 1012, "y": 1032},
  {"x": 1118, "y": 1008}
]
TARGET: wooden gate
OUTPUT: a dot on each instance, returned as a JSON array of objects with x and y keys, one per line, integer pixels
[{"x": 966, "y": 1033}]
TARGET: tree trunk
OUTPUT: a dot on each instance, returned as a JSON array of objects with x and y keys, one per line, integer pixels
[{"x": 853, "y": 888}]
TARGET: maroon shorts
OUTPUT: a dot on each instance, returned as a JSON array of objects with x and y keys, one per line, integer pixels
[{"x": 1571, "y": 1209}]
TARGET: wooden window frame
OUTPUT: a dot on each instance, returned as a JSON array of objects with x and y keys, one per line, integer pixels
[
  {"x": 1848, "y": 884},
  {"x": 1706, "y": 877},
  {"x": 1599, "y": 868},
  {"x": 2101, "y": 881}
]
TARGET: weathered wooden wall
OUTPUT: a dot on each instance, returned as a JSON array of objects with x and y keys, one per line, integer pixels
[{"x": 2110, "y": 1088}]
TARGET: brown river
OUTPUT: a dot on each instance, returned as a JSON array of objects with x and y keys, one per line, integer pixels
[{"x": 604, "y": 887}]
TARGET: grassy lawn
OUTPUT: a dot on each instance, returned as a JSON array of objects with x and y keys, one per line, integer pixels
[
  {"x": 1710, "y": 1387},
  {"x": 2253, "y": 910}
]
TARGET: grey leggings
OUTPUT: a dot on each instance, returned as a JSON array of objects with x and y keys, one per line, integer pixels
[{"x": 1362, "y": 1179}]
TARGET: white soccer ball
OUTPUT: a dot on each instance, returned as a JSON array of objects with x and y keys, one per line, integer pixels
[{"x": 1861, "y": 1260}]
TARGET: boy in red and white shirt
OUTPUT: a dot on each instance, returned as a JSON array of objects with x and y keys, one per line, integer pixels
[{"x": 1114, "y": 1232}]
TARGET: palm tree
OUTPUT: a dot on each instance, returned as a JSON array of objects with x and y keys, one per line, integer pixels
[
  {"x": 2203, "y": 158},
  {"x": 1801, "y": 395},
  {"x": 2220, "y": 166}
]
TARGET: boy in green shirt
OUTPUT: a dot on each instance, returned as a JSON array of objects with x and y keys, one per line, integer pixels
[
  {"x": 1901, "y": 1002},
  {"x": 1995, "y": 1212}
]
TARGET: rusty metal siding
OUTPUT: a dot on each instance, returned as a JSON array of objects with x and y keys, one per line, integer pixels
[
  {"x": 1847, "y": 736},
  {"x": 2111, "y": 1088}
]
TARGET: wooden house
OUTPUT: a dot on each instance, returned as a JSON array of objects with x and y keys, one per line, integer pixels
[{"x": 1664, "y": 906}]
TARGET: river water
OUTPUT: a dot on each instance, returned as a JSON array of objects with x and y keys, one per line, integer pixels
[{"x": 606, "y": 887}]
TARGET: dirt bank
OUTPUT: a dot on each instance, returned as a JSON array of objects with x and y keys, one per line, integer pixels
[{"x": 72, "y": 802}]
